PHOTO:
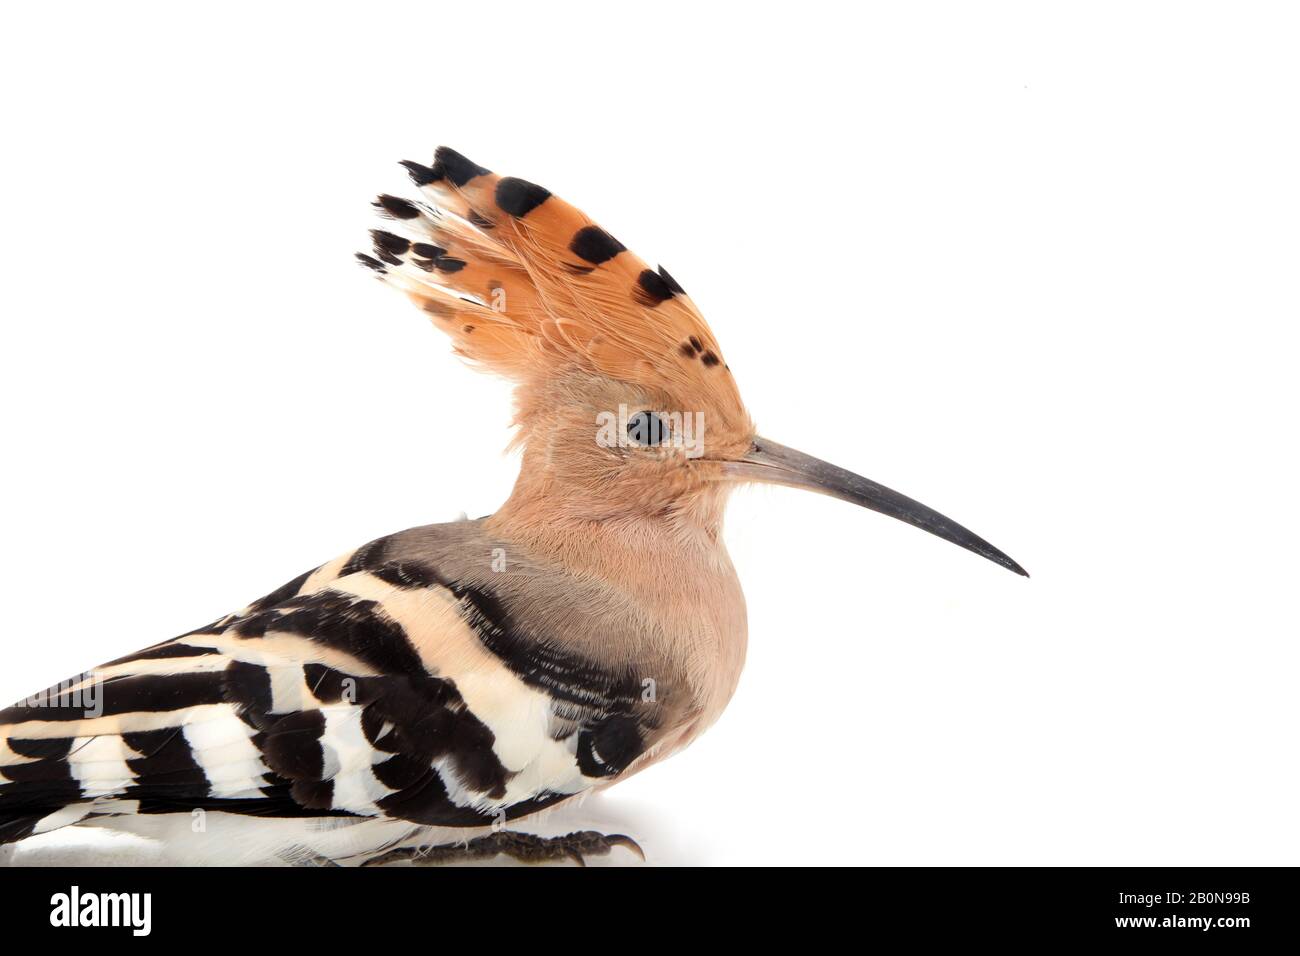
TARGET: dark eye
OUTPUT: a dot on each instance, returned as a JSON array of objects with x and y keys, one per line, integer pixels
[{"x": 646, "y": 428}]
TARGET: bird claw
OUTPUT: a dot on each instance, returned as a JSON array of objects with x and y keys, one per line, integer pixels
[
  {"x": 619, "y": 839},
  {"x": 524, "y": 847}
]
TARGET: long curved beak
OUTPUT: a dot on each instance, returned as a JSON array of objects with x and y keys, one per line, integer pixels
[{"x": 769, "y": 462}]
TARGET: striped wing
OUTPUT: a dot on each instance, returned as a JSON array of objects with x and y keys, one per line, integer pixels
[{"x": 359, "y": 689}]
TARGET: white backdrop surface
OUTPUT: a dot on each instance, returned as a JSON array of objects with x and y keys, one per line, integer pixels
[{"x": 1032, "y": 265}]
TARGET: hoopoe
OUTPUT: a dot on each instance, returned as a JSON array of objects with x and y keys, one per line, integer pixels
[{"x": 407, "y": 699}]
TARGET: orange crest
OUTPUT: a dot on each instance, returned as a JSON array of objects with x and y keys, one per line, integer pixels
[{"x": 529, "y": 287}]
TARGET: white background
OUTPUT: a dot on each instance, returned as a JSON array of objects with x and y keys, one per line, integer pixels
[{"x": 1032, "y": 264}]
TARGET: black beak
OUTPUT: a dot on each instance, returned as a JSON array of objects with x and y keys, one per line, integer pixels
[{"x": 769, "y": 462}]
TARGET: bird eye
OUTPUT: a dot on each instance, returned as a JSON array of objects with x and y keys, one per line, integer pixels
[{"x": 646, "y": 428}]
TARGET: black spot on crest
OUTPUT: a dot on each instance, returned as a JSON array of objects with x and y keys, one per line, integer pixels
[
  {"x": 386, "y": 242},
  {"x": 456, "y": 168},
  {"x": 420, "y": 174},
  {"x": 397, "y": 207},
  {"x": 651, "y": 289},
  {"x": 519, "y": 197},
  {"x": 595, "y": 245},
  {"x": 670, "y": 281}
]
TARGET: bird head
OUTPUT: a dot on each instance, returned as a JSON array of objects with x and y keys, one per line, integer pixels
[{"x": 625, "y": 406}]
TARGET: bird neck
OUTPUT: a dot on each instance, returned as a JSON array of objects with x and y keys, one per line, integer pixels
[
  {"x": 635, "y": 546},
  {"x": 671, "y": 570}
]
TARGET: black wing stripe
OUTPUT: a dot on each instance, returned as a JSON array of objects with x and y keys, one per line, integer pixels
[
  {"x": 166, "y": 757},
  {"x": 49, "y": 748},
  {"x": 144, "y": 693},
  {"x": 282, "y": 593},
  {"x": 540, "y": 663},
  {"x": 170, "y": 649},
  {"x": 356, "y": 626}
]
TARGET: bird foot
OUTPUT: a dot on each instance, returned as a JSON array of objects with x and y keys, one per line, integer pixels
[{"x": 524, "y": 847}]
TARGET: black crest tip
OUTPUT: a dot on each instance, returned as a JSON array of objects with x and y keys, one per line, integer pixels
[
  {"x": 455, "y": 167},
  {"x": 388, "y": 242},
  {"x": 420, "y": 174},
  {"x": 397, "y": 207}
]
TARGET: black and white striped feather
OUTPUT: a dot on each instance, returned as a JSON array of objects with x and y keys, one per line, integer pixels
[{"x": 371, "y": 688}]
